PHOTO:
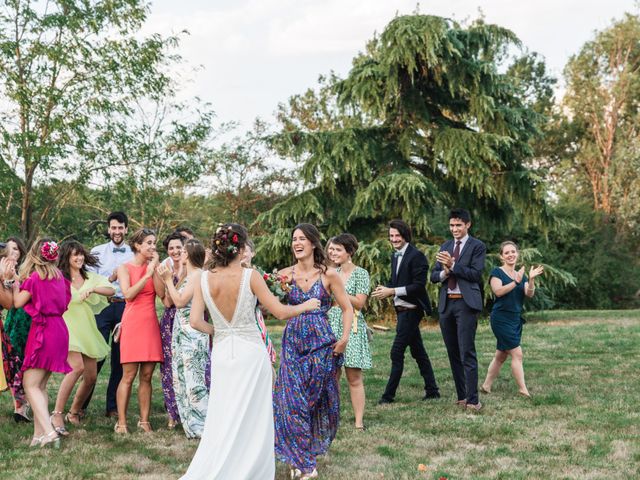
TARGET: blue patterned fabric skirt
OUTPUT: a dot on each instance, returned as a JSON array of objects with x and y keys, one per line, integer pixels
[{"x": 306, "y": 400}]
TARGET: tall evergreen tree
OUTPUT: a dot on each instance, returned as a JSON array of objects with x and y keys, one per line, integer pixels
[{"x": 428, "y": 117}]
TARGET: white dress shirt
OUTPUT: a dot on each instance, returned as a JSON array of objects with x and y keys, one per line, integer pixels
[
  {"x": 110, "y": 261},
  {"x": 401, "y": 291},
  {"x": 443, "y": 275}
]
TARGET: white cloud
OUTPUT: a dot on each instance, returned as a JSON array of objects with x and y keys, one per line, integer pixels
[{"x": 257, "y": 53}]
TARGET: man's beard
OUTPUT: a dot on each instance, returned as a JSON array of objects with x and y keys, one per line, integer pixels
[{"x": 117, "y": 235}]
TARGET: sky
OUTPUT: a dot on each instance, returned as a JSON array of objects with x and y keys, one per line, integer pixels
[{"x": 247, "y": 56}]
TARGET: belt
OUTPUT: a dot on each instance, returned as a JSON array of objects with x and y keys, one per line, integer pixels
[
  {"x": 455, "y": 296},
  {"x": 404, "y": 309},
  {"x": 115, "y": 300}
]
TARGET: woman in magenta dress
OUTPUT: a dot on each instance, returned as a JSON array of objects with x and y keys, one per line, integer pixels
[
  {"x": 45, "y": 295},
  {"x": 140, "y": 343},
  {"x": 306, "y": 399}
]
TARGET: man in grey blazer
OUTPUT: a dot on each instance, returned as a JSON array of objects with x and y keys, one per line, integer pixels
[{"x": 459, "y": 267}]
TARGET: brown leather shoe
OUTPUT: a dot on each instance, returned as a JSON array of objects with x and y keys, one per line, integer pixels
[
  {"x": 111, "y": 414},
  {"x": 474, "y": 406},
  {"x": 461, "y": 403}
]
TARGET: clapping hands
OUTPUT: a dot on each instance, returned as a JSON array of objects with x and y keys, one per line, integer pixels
[
  {"x": 153, "y": 264},
  {"x": 535, "y": 271},
  {"x": 84, "y": 295},
  {"x": 164, "y": 272},
  {"x": 7, "y": 269},
  {"x": 519, "y": 275}
]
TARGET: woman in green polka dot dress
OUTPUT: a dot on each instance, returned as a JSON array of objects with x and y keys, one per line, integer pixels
[{"x": 357, "y": 356}]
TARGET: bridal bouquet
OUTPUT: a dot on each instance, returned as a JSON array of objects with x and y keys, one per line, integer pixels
[{"x": 279, "y": 285}]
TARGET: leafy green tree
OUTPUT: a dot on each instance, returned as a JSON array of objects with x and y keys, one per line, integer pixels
[
  {"x": 67, "y": 68},
  {"x": 602, "y": 114}
]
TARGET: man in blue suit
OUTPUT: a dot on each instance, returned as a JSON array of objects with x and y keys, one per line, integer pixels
[
  {"x": 459, "y": 267},
  {"x": 409, "y": 269}
]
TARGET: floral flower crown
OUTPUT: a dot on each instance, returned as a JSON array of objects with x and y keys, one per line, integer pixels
[
  {"x": 232, "y": 241},
  {"x": 49, "y": 251}
]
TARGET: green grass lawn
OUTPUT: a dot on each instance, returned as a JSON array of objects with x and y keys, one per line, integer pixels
[{"x": 583, "y": 420}]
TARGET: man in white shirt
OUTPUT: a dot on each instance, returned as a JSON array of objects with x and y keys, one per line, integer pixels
[{"x": 111, "y": 255}]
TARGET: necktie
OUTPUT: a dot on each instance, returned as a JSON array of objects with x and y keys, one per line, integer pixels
[
  {"x": 121, "y": 250},
  {"x": 451, "y": 281}
]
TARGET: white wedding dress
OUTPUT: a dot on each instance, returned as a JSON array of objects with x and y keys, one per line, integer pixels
[{"x": 238, "y": 438}]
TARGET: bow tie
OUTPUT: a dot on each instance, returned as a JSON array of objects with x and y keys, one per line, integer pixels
[
  {"x": 397, "y": 254},
  {"x": 121, "y": 250}
]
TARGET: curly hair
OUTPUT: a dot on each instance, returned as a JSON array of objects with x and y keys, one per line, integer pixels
[
  {"x": 35, "y": 262},
  {"x": 73, "y": 247},
  {"x": 172, "y": 236},
  {"x": 313, "y": 235},
  {"x": 226, "y": 244}
]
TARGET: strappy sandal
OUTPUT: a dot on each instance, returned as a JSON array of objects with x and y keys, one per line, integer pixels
[
  {"x": 121, "y": 429},
  {"x": 294, "y": 473},
  {"x": 49, "y": 439},
  {"x": 362, "y": 428},
  {"x": 73, "y": 418},
  {"x": 35, "y": 441},
  {"x": 59, "y": 430},
  {"x": 313, "y": 474},
  {"x": 145, "y": 426}
]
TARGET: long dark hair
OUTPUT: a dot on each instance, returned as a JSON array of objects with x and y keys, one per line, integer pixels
[
  {"x": 313, "y": 235},
  {"x": 67, "y": 249}
]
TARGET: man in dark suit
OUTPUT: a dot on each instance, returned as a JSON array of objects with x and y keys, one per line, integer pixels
[
  {"x": 409, "y": 270},
  {"x": 459, "y": 267}
]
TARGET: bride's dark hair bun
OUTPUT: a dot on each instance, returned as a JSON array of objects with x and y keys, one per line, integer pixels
[{"x": 226, "y": 244}]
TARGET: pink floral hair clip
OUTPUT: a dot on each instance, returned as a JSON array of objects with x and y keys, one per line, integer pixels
[{"x": 49, "y": 251}]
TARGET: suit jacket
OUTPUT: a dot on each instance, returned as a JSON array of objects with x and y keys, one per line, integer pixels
[
  {"x": 412, "y": 275},
  {"x": 467, "y": 270}
]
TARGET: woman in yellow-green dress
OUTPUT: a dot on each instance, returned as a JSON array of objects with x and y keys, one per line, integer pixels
[{"x": 89, "y": 292}]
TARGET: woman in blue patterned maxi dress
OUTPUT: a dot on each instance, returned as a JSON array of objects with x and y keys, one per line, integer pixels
[{"x": 306, "y": 400}]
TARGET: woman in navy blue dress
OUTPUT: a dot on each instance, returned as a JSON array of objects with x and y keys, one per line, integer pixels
[{"x": 510, "y": 287}]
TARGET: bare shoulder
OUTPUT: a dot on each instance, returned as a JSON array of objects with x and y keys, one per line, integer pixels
[
  {"x": 286, "y": 272},
  {"x": 331, "y": 274}
]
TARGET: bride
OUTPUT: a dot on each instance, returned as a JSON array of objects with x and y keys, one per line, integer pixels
[{"x": 238, "y": 438}]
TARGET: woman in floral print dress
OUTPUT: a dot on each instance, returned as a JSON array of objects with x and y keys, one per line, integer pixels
[
  {"x": 306, "y": 401},
  {"x": 173, "y": 244},
  {"x": 189, "y": 347},
  {"x": 357, "y": 356}
]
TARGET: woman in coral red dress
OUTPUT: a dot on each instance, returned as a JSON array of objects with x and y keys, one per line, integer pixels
[{"x": 140, "y": 343}]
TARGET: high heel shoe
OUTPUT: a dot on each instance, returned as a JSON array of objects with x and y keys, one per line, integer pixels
[
  {"x": 59, "y": 430},
  {"x": 145, "y": 426},
  {"x": 73, "y": 418},
  {"x": 50, "y": 439}
]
